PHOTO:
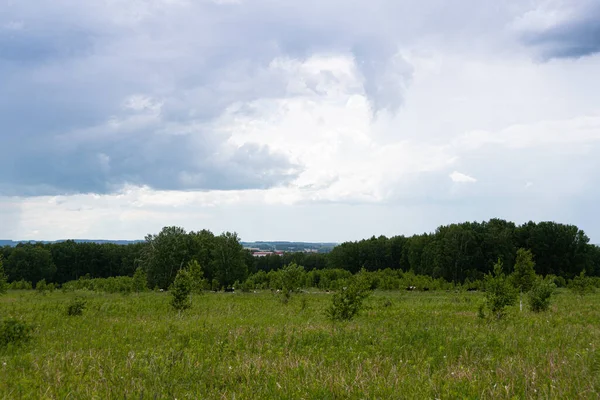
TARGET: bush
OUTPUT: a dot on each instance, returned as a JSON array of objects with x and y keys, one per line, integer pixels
[
  {"x": 523, "y": 277},
  {"x": 76, "y": 306},
  {"x": 41, "y": 286},
  {"x": 181, "y": 290},
  {"x": 348, "y": 302},
  {"x": 499, "y": 292},
  {"x": 140, "y": 280},
  {"x": 559, "y": 281},
  {"x": 291, "y": 277},
  {"x": 20, "y": 285},
  {"x": 13, "y": 331},
  {"x": 115, "y": 284},
  {"x": 582, "y": 284},
  {"x": 196, "y": 276},
  {"x": 539, "y": 295},
  {"x": 3, "y": 278}
]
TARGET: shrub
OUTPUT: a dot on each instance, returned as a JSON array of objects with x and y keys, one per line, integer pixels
[
  {"x": 41, "y": 286},
  {"x": 559, "y": 281},
  {"x": 180, "y": 290},
  {"x": 76, "y": 306},
  {"x": 348, "y": 302},
  {"x": 582, "y": 284},
  {"x": 539, "y": 295},
  {"x": 114, "y": 284},
  {"x": 523, "y": 277},
  {"x": 196, "y": 276},
  {"x": 245, "y": 286},
  {"x": 140, "y": 280},
  {"x": 20, "y": 285},
  {"x": 499, "y": 292},
  {"x": 3, "y": 278},
  {"x": 291, "y": 277},
  {"x": 13, "y": 331}
]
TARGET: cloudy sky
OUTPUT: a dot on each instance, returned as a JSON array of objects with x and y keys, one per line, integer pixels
[{"x": 315, "y": 120}]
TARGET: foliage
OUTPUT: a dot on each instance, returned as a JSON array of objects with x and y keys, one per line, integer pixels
[
  {"x": 20, "y": 285},
  {"x": 30, "y": 263},
  {"x": 196, "y": 276},
  {"x": 469, "y": 250},
  {"x": 76, "y": 306},
  {"x": 539, "y": 295},
  {"x": 3, "y": 278},
  {"x": 499, "y": 293},
  {"x": 582, "y": 284},
  {"x": 165, "y": 254},
  {"x": 117, "y": 284},
  {"x": 347, "y": 303},
  {"x": 140, "y": 280},
  {"x": 449, "y": 256},
  {"x": 181, "y": 290},
  {"x": 523, "y": 277},
  {"x": 14, "y": 331},
  {"x": 292, "y": 277},
  {"x": 228, "y": 260},
  {"x": 559, "y": 281},
  {"x": 41, "y": 286},
  {"x": 249, "y": 347},
  {"x": 221, "y": 257}
]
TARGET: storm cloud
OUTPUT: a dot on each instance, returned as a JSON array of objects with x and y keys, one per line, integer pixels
[
  {"x": 221, "y": 114},
  {"x": 571, "y": 30}
]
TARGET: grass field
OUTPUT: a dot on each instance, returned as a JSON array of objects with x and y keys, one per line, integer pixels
[{"x": 404, "y": 345}]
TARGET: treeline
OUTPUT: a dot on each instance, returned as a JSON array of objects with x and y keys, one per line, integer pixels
[
  {"x": 455, "y": 253},
  {"x": 469, "y": 250}
]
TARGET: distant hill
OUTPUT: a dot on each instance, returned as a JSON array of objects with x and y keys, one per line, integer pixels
[
  {"x": 13, "y": 243},
  {"x": 265, "y": 246}
]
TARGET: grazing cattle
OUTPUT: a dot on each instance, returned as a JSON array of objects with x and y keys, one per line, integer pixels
[
  {"x": 425, "y": 289},
  {"x": 411, "y": 288},
  {"x": 229, "y": 290}
]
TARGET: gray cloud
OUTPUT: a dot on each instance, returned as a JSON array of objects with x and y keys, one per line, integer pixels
[
  {"x": 578, "y": 35},
  {"x": 68, "y": 67}
]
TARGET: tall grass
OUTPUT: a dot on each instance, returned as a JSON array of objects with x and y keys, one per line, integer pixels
[{"x": 404, "y": 345}]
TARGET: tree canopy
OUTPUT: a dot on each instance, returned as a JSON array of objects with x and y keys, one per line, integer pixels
[{"x": 455, "y": 252}]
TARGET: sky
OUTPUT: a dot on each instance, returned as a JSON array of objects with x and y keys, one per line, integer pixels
[{"x": 312, "y": 120}]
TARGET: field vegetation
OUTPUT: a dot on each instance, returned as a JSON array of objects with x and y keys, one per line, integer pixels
[
  {"x": 251, "y": 345},
  {"x": 474, "y": 310}
]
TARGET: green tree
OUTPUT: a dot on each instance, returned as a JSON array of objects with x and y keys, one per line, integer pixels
[
  {"x": 228, "y": 259},
  {"x": 291, "y": 277},
  {"x": 3, "y": 278},
  {"x": 347, "y": 303},
  {"x": 581, "y": 284},
  {"x": 499, "y": 292},
  {"x": 165, "y": 254},
  {"x": 140, "y": 280},
  {"x": 196, "y": 275},
  {"x": 524, "y": 276},
  {"x": 180, "y": 291},
  {"x": 31, "y": 263},
  {"x": 539, "y": 295},
  {"x": 41, "y": 286}
]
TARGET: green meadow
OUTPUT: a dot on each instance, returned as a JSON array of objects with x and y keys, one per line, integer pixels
[{"x": 251, "y": 345}]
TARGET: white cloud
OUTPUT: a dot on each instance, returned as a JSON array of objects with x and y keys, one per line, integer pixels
[
  {"x": 313, "y": 121},
  {"x": 459, "y": 177}
]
